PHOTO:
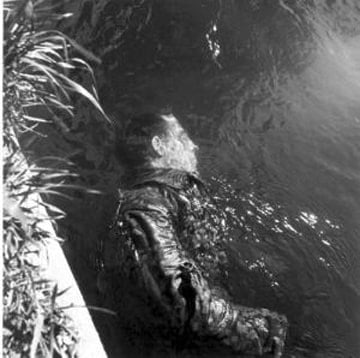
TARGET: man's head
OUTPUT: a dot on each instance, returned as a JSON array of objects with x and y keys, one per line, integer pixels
[{"x": 159, "y": 141}]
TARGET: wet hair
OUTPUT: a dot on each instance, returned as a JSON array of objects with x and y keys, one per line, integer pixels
[{"x": 133, "y": 145}]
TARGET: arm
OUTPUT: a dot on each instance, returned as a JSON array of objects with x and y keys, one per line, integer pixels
[{"x": 175, "y": 282}]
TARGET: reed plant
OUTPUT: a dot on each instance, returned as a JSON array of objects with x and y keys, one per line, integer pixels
[{"x": 38, "y": 88}]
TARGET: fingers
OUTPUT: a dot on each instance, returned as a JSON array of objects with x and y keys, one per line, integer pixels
[
  {"x": 279, "y": 347},
  {"x": 273, "y": 334},
  {"x": 259, "y": 348},
  {"x": 277, "y": 335}
]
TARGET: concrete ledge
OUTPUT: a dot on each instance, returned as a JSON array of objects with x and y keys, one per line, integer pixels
[{"x": 57, "y": 269}]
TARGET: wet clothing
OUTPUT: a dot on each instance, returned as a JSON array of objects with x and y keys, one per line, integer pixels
[{"x": 164, "y": 263}]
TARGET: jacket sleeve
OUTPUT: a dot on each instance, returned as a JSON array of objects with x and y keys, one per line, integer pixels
[{"x": 176, "y": 283}]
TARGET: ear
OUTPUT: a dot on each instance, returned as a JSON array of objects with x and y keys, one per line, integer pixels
[{"x": 158, "y": 145}]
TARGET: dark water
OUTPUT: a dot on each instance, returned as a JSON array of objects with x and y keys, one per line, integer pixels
[
  {"x": 271, "y": 92},
  {"x": 288, "y": 158}
]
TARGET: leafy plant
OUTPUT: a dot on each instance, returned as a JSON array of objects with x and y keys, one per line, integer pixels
[{"x": 39, "y": 87}]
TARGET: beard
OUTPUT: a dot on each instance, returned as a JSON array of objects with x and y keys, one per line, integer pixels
[{"x": 183, "y": 162}]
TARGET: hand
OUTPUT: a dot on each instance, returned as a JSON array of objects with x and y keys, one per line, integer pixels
[{"x": 278, "y": 325}]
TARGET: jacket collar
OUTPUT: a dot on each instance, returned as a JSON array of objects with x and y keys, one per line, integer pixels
[{"x": 175, "y": 178}]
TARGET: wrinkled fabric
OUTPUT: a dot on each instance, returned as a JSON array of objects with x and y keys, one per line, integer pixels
[{"x": 164, "y": 261}]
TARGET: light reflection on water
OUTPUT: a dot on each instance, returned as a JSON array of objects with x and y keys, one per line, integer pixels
[
  {"x": 278, "y": 121},
  {"x": 293, "y": 258},
  {"x": 277, "y": 118}
]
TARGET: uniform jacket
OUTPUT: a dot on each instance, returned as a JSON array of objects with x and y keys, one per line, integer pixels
[{"x": 164, "y": 265}]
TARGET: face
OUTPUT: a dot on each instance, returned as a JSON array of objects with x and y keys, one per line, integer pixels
[{"x": 179, "y": 149}]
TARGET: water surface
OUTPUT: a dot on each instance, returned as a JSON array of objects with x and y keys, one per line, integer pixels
[{"x": 271, "y": 92}]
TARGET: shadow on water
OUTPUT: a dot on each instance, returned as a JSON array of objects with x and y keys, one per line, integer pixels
[{"x": 271, "y": 92}]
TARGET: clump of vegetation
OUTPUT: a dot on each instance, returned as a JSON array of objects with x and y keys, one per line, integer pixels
[
  {"x": 38, "y": 89},
  {"x": 33, "y": 323}
]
